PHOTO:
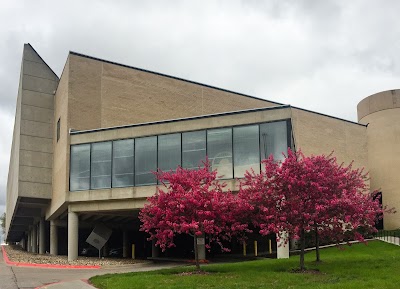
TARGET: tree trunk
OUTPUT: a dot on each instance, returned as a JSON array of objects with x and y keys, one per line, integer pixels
[
  {"x": 303, "y": 246},
  {"x": 196, "y": 253},
  {"x": 317, "y": 255}
]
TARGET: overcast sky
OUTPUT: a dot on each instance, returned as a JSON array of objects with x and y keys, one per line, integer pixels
[{"x": 320, "y": 55}]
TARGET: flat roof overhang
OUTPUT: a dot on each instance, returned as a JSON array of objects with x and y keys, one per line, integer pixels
[{"x": 27, "y": 212}]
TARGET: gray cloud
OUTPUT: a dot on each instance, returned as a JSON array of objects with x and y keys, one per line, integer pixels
[{"x": 319, "y": 55}]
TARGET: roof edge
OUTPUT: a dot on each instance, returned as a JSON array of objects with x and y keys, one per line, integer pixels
[
  {"x": 74, "y": 132},
  {"x": 330, "y": 116},
  {"x": 43, "y": 60},
  {"x": 172, "y": 77}
]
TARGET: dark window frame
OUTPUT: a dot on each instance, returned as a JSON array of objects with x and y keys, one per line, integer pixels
[
  {"x": 111, "y": 163},
  {"x": 70, "y": 165},
  {"x": 290, "y": 143},
  {"x": 58, "y": 129}
]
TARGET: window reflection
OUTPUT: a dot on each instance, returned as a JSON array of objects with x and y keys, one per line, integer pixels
[
  {"x": 80, "y": 167},
  {"x": 273, "y": 140},
  {"x": 219, "y": 150},
  {"x": 193, "y": 149},
  {"x": 169, "y": 151},
  {"x": 246, "y": 151},
  {"x": 231, "y": 151},
  {"x": 101, "y": 165},
  {"x": 123, "y": 165},
  {"x": 145, "y": 160}
]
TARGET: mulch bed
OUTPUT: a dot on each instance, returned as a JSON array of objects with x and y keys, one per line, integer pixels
[
  {"x": 306, "y": 271},
  {"x": 17, "y": 254},
  {"x": 193, "y": 273}
]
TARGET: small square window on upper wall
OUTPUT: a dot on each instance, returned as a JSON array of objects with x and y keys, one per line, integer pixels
[{"x": 58, "y": 129}]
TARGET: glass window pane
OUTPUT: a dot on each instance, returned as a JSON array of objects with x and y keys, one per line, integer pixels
[
  {"x": 145, "y": 160},
  {"x": 193, "y": 149},
  {"x": 123, "y": 163},
  {"x": 219, "y": 150},
  {"x": 101, "y": 165},
  {"x": 80, "y": 167},
  {"x": 273, "y": 140},
  {"x": 246, "y": 151},
  {"x": 169, "y": 151}
]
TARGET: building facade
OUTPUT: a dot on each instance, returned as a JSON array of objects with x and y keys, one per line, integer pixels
[{"x": 85, "y": 145}]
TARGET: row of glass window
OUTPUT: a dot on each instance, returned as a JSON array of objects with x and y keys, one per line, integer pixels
[{"x": 131, "y": 162}]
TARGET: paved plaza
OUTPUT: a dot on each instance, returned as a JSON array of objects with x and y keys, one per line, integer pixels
[{"x": 14, "y": 277}]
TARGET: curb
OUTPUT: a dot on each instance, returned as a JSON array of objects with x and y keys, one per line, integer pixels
[
  {"x": 60, "y": 282},
  {"x": 43, "y": 286},
  {"x": 48, "y": 266}
]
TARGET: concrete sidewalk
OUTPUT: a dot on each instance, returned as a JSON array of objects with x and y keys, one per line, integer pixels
[
  {"x": 14, "y": 277},
  {"x": 7, "y": 277},
  {"x": 75, "y": 284}
]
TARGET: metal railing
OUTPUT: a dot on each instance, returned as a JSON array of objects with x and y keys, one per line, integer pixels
[{"x": 392, "y": 236}]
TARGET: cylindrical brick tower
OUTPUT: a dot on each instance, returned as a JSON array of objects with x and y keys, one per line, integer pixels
[{"x": 381, "y": 111}]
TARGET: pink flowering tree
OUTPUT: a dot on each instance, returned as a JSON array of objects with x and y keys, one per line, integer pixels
[
  {"x": 192, "y": 202},
  {"x": 310, "y": 194}
]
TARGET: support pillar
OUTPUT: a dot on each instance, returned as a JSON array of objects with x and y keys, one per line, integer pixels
[
  {"x": 201, "y": 247},
  {"x": 53, "y": 238},
  {"x": 282, "y": 248},
  {"x": 105, "y": 249},
  {"x": 73, "y": 223},
  {"x": 154, "y": 250},
  {"x": 34, "y": 239},
  {"x": 42, "y": 236},
  {"x": 28, "y": 243},
  {"x": 125, "y": 244}
]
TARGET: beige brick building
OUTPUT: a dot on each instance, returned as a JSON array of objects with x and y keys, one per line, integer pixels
[{"x": 85, "y": 144}]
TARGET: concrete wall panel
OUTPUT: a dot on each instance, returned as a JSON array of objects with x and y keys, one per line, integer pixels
[
  {"x": 317, "y": 134},
  {"x": 31, "y": 156},
  {"x": 188, "y": 125},
  {"x": 36, "y": 159},
  {"x": 117, "y": 205},
  {"x": 31, "y": 55},
  {"x": 38, "y": 114},
  {"x": 39, "y": 70},
  {"x": 384, "y": 159},
  {"x": 379, "y": 101},
  {"x": 34, "y": 128},
  {"x": 39, "y": 84},
  {"x": 38, "y": 99},
  {"x": 103, "y": 94},
  {"x": 34, "y": 190},
  {"x": 61, "y": 151},
  {"x": 13, "y": 171},
  {"x": 35, "y": 174},
  {"x": 84, "y": 93},
  {"x": 36, "y": 144}
]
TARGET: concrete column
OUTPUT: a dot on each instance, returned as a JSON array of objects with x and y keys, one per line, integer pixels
[
  {"x": 201, "y": 247},
  {"x": 282, "y": 248},
  {"x": 154, "y": 250},
  {"x": 42, "y": 236},
  {"x": 28, "y": 243},
  {"x": 125, "y": 244},
  {"x": 294, "y": 244},
  {"x": 22, "y": 243},
  {"x": 31, "y": 242},
  {"x": 53, "y": 238},
  {"x": 105, "y": 250},
  {"x": 73, "y": 224},
  {"x": 34, "y": 239}
]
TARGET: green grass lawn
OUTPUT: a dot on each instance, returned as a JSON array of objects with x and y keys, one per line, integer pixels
[{"x": 376, "y": 265}]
